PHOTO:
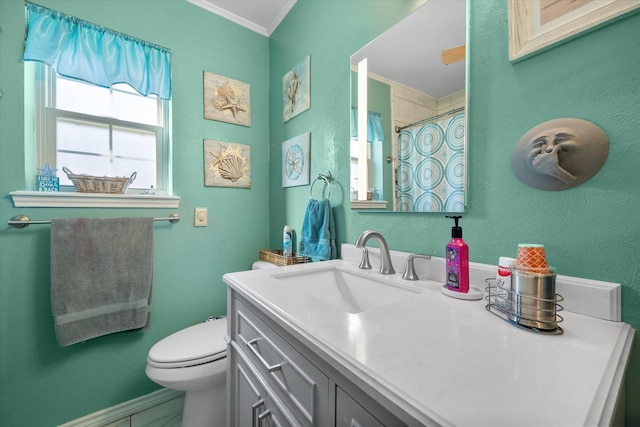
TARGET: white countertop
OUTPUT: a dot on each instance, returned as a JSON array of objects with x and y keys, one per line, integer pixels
[{"x": 451, "y": 361}]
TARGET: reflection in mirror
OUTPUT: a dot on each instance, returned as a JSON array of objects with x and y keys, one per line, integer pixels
[{"x": 413, "y": 156}]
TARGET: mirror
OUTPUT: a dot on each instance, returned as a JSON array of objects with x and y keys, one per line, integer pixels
[{"x": 412, "y": 107}]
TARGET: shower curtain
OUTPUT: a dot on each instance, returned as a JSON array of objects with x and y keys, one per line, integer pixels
[{"x": 431, "y": 167}]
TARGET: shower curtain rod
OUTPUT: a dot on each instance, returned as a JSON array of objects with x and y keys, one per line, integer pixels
[
  {"x": 455, "y": 110},
  {"x": 22, "y": 221}
]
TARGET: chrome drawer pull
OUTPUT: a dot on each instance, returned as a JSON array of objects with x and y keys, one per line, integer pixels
[
  {"x": 270, "y": 368},
  {"x": 254, "y": 409},
  {"x": 262, "y": 416}
]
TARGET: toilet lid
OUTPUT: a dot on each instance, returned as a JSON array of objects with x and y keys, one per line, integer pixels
[{"x": 196, "y": 344}]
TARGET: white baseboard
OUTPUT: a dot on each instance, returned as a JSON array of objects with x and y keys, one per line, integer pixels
[{"x": 125, "y": 409}]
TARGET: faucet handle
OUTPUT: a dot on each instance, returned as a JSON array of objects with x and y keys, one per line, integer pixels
[
  {"x": 410, "y": 272},
  {"x": 365, "y": 264}
]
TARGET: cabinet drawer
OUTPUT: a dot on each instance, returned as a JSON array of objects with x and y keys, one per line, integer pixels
[
  {"x": 302, "y": 386},
  {"x": 254, "y": 404},
  {"x": 349, "y": 413}
]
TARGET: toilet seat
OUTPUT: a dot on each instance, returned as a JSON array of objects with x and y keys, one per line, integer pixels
[{"x": 195, "y": 345}]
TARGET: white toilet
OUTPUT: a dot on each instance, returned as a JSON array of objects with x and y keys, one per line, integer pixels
[
  {"x": 194, "y": 360},
  {"x": 262, "y": 265}
]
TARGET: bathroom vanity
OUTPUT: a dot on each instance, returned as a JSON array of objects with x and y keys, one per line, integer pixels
[{"x": 382, "y": 351}]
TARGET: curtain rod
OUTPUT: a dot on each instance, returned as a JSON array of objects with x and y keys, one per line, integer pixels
[
  {"x": 455, "y": 110},
  {"x": 22, "y": 221}
]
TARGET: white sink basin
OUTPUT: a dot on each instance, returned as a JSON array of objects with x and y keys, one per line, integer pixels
[{"x": 346, "y": 290}]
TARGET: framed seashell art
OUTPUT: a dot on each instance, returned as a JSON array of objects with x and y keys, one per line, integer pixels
[
  {"x": 296, "y": 95},
  {"x": 226, "y": 164},
  {"x": 226, "y": 100}
]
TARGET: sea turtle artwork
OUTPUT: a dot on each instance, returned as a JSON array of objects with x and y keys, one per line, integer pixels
[
  {"x": 226, "y": 164},
  {"x": 227, "y": 100}
]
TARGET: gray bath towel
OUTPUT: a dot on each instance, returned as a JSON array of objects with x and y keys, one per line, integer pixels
[{"x": 101, "y": 274}]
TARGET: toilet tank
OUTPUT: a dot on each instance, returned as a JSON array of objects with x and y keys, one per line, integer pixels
[{"x": 262, "y": 265}]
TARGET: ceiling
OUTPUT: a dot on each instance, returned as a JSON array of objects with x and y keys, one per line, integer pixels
[{"x": 261, "y": 16}]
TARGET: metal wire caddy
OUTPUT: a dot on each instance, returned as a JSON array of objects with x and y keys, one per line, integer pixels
[{"x": 500, "y": 302}]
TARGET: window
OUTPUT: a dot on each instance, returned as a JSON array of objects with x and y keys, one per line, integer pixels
[
  {"x": 100, "y": 131},
  {"x": 101, "y": 103}
]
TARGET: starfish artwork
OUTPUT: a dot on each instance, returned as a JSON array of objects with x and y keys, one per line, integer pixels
[
  {"x": 227, "y": 100},
  {"x": 47, "y": 171}
]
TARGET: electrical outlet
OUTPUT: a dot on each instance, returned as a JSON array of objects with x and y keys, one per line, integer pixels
[{"x": 200, "y": 217}]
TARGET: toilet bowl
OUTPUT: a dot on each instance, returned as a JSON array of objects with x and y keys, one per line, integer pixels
[{"x": 194, "y": 360}]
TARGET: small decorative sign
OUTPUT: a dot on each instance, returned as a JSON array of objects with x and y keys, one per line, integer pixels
[{"x": 47, "y": 181}]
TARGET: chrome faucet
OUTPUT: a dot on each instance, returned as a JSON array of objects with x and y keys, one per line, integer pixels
[
  {"x": 386, "y": 267},
  {"x": 410, "y": 272}
]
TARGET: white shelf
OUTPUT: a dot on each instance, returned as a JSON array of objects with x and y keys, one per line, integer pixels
[{"x": 41, "y": 199}]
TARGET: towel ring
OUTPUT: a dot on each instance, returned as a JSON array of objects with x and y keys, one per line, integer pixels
[{"x": 327, "y": 182}]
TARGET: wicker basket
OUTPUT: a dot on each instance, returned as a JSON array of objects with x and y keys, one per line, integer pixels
[
  {"x": 99, "y": 184},
  {"x": 275, "y": 256}
]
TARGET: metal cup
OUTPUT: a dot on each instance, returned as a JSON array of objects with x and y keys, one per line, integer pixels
[{"x": 533, "y": 299}]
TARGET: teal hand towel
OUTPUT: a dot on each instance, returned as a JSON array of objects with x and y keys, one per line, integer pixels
[
  {"x": 317, "y": 237},
  {"x": 101, "y": 276}
]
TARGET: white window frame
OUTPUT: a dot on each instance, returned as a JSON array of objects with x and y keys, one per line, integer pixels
[{"x": 45, "y": 136}]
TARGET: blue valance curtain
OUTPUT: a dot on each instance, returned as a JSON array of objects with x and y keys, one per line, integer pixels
[
  {"x": 374, "y": 125},
  {"x": 88, "y": 52}
]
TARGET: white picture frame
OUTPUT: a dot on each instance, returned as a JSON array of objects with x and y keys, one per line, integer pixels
[
  {"x": 538, "y": 25},
  {"x": 295, "y": 161}
]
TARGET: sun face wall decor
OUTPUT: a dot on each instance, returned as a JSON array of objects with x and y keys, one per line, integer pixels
[
  {"x": 227, "y": 164},
  {"x": 295, "y": 161},
  {"x": 226, "y": 100},
  {"x": 296, "y": 96}
]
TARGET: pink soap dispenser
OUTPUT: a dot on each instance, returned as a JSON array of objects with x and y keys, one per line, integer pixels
[{"x": 457, "y": 260}]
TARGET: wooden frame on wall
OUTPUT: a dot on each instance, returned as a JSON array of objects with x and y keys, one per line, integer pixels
[{"x": 538, "y": 25}]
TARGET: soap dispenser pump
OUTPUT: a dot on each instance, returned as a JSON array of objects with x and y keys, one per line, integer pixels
[{"x": 457, "y": 260}]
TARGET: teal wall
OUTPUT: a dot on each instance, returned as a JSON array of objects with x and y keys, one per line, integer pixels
[
  {"x": 42, "y": 384},
  {"x": 329, "y": 31},
  {"x": 589, "y": 231}
]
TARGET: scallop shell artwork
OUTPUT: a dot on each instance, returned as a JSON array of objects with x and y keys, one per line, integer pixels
[
  {"x": 226, "y": 100},
  {"x": 226, "y": 164}
]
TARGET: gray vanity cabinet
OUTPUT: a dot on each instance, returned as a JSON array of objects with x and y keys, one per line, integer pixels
[
  {"x": 274, "y": 380},
  {"x": 350, "y": 413},
  {"x": 287, "y": 376},
  {"x": 255, "y": 402}
]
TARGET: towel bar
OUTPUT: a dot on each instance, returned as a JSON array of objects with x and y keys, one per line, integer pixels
[
  {"x": 326, "y": 177},
  {"x": 22, "y": 221}
]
